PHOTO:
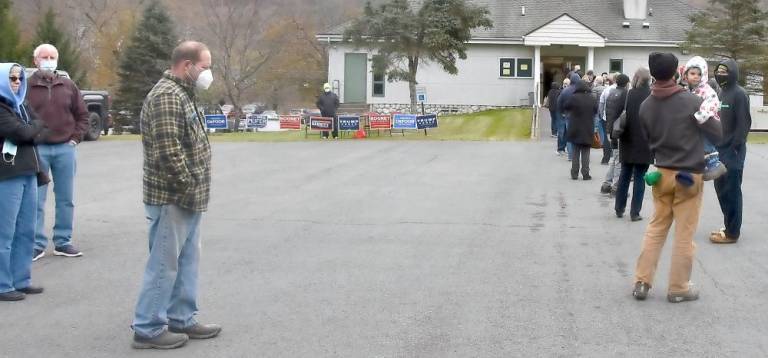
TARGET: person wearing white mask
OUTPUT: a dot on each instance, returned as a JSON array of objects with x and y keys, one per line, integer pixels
[
  {"x": 177, "y": 179},
  {"x": 58, "y": 102},
  {"x": 328, "y": 104}
]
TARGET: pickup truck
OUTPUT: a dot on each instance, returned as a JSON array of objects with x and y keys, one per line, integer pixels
[{"x": 98, "y": 103}]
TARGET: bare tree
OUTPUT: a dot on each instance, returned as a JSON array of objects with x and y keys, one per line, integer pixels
[{"x": 237, "y": 40}]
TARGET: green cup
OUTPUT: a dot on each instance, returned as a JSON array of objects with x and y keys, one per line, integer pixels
[{"x": 651, "y": 178}]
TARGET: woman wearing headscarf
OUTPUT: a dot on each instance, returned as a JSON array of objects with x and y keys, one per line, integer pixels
[
  {"x": 634, "y": 148},
  {"x": 18, "y": 185}
]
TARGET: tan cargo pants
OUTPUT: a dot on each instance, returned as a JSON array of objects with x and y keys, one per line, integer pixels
[{"x": 672, "y": 202}]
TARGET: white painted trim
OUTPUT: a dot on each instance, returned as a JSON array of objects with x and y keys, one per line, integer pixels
[
  {"x": 642, "y": 44},
  {"x": 521, "y": 41}
]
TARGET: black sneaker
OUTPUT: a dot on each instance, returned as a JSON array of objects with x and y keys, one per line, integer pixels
[
  {"x": 38, "y": 254},
  {"x": 619, "y": 214},
  {"x": 198, "y": 331},
  {"x": 30, "y": 290},
  {"x": 635, "y": 218},
  {"x": 12, "y": 296},
  {"x": 587, "y": 177},
  {"x": 166, "y": 340},
  {"x": 68, "y": 251},
  {"x": 641, "y": 290}
]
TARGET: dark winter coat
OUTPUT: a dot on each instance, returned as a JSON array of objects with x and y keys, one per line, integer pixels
[
  {"x": 24, "y": 132},
  {"x": 614, "y": 106},
  {"x": 328, "y": 103},
  {"x": 633, "y": 143},
  {"x": 552, "y": 96},
  {"x": 674, "y": 135},
  {"x": 735, "y": 118},
  {"x": 57, "y": 101},
  {"x": 582, "y": 108},
  {"x": 566, "y": 94}
]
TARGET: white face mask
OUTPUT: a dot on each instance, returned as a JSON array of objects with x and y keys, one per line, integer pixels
[
  {"x": 48, "y": 65},
  {"x": 204, "y": 80},
  {"x": 9, "y": 150}
]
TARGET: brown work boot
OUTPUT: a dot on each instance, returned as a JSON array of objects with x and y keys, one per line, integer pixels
[{"x": 719, "y": 237}]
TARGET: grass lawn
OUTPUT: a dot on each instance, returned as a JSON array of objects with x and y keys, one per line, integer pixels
[{"x": 495, "y": 125}]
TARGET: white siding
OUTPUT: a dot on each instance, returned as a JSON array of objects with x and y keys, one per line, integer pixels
[
  {"x": 633, "y": 57},
  {"x": 477, "y": 83},
  {"x": 564, "y": 31}
]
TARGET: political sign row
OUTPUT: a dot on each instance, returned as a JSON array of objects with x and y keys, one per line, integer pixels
[
  {"x": 219, "y": 121},
  {"x": 376, "y": 121},
  {"x": 344, "y": 122}
]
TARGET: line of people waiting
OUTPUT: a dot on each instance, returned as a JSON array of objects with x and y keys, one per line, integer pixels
[{"x": 670, "y": 117}]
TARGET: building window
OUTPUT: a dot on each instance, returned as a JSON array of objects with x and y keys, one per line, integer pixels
[
  {"x": 515, "y": 67},
  {"x": 507, "y": 67},
  {"x": 524, "y": 67},
  {"x": 378, "y": 82},
  {"x": 616, "y": 66}
]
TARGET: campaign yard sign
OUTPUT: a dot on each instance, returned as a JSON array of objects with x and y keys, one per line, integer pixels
[
  {"x": 349, "y": 123},
  {"x": 426, "y": 121},
  {"x": 255, "y": 121},
  {"x": 321, "y": 123},
  {"x": 380, "y": 121},
  {"x": 404, "y": 121},
  {"x": 216, "y": 121},
  {"x": 290, "y": 122}
]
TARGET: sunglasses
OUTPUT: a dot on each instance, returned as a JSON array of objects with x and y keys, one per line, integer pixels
[{"x": 14, "y": 78}]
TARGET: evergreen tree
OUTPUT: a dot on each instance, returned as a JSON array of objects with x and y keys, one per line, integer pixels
[
  {"x": 69, "y": 56},
  {"x": 146, "y": 57},
  {"x": 734, "y": 29},
  {"x": 406, "y": 36},
  {"x": 10, "y": 51}
]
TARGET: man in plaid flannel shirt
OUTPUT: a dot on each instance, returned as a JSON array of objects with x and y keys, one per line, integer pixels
[{"x": 177, "y": 179}]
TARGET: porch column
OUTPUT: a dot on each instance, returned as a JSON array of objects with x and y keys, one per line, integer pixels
[
  {"x": 590, "y": 58},
  {"x": 537, "y": 76}
]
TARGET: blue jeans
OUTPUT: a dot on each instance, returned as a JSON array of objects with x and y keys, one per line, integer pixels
[
  {"x": 561, "y": 128},
  {"x": 553, "y": 120},
  {"x": 728, "y": 188},
  {"x": 604, "y": 140},
  {"x": 17, "y": 231},
  {"x": 637, "y": 171},
  {"x": 169, "y": 289},
  {"x": 59, "y": 159}
]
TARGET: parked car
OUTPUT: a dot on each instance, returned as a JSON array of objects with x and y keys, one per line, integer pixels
[{"x": 98, "y": 103}]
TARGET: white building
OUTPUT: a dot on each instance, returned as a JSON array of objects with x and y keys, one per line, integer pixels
[{"x": 530, "y": 42}]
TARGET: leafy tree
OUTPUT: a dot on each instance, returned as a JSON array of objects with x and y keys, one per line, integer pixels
[
  {"x": 146, "y": 57},
  {"x": 69, "y": 56},
  {"x": 405, "y": 37},
  {"x": 10, "y": 51},
  {"x": 734, "y": 29}
]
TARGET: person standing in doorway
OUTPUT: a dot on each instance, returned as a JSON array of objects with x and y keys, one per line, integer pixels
[
  {"x": 675, "y": 139},
  {"x": 737, "y": 121},
  {"x": 551, "y": 104},
  {"x": 58, "y": 102},
  {"x": 634, "y": 148},
  {"x": 582, "y": 108},
  {"x": 328, "y": 104},
  {"x": 177, "y": 181}
]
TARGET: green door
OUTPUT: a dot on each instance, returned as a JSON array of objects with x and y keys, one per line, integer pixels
[{"x": 355, "y": 66}]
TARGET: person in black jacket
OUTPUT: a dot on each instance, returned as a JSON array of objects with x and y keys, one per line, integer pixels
[
  {"x": 18, "y": 185},
  {"x": 736, "y": 121},
  {"x": 582, "y": 108},
  {"x": 328, "y": 103},
  {"x": 551, "y": 103},
  {"x": 614, "y": 105},
  {"x": 635, "y": 151}
]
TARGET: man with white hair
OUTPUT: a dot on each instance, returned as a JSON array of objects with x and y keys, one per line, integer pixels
[{"x": 57, "y": 101}]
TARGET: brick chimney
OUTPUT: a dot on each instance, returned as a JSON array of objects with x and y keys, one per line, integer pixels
[{"x": 635, "y": 9}]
